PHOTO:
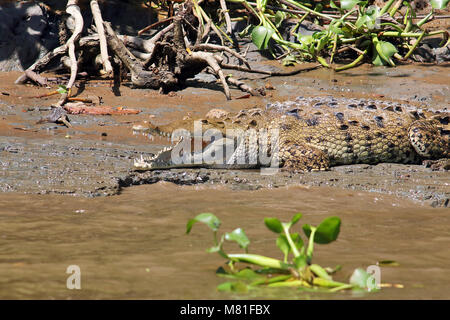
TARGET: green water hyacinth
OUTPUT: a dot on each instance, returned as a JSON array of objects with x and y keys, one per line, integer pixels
[
  {"x": 352, "y": 30},
  {"x": 295, "y": 270}
]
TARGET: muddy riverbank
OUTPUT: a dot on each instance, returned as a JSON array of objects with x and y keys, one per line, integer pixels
[{"x": 94, "y": 157}]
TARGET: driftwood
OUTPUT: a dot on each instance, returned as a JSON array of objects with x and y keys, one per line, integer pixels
[
  {"x": 175, "y": 53},
  {"x": 81, "y": 108}
]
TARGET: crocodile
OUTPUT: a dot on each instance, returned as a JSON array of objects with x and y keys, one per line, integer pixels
[{"x": 308, "y": 134}]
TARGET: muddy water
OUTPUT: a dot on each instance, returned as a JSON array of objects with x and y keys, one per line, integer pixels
[{"x": 133, "y": 245}]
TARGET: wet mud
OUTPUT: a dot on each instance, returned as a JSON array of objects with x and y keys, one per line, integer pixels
[{"x": 94, "y": 157}]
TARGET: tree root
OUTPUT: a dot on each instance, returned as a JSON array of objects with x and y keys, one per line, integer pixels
[
  {"x": 101, "y": 34},
  {"x": 163, "y": 62}
]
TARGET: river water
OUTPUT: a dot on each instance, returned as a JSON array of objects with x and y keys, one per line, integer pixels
[{"x": 134, "y": 246}]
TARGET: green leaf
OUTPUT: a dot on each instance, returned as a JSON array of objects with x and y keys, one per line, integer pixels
[
  {"x": 333, "y": 5},
  {"x": 233, "y": 287},
  {"x": 239, "y": 236},
  {"x": 362, "y": 20},
  {"x": 327, "y": 231},
  {"x": 369, "y": 18},
  {"x": 244, "y": 274},
  {"x": 279, "y": 18},
  {"x": 307, "y": 229},
  {"x": 348, "y": 4},
  {"x": 289, "y": 60},
  {"x": 207, "y": 218},
  {"x": 305, "y": 39},
  {"x": 335, "y": 30},
  {"x": 61, "y": 89},
  {"x": 283, "y": 245},
  {"x": 387, "y": 50},
  {"x": 439, "y": 4},
  {"x": 388, "y": 263},
  {"x": 295, "y": 219},
  {"x": 273, "y": 224},
  {"x": 247, "y": 274},
  {"x": 261, "y": 36}
]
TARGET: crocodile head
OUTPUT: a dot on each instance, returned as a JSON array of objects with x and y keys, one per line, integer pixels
[
  {"x": 214, "y": 141},
  {"x": 184, "y": 154}
]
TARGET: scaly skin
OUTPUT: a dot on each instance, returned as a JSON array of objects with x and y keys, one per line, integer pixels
[{"x": 317, "y": 133}]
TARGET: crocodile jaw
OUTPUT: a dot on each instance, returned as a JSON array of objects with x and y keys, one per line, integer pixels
[{"x": 162, "y": 160}]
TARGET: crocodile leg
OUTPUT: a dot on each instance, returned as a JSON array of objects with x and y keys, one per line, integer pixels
[
  {"x": 298, "y": 157},
  {"x": 427, "y": 140}
]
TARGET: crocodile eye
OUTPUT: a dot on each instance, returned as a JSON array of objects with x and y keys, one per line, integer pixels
[
  {"x": 220, "y": 124},
  {"x": 253, "y": 123},
  {"x": 343, "y": 127}
]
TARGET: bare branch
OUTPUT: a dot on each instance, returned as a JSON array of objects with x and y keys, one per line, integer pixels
[
  {"x": 214, "y": 47},
  {"x": 108, "y": 70},
  {"x": 212, "y": 62},
  {"x": 223, "y": 5}
]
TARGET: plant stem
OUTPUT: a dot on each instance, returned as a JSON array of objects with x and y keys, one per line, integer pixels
[
  {"x": 294, "y": 4},
  {"x": 328, "y": 283},
  {"x": 412, "y": 34},
  {"x": 424, "y": 20},
  {"x": 259, "y": 260},
  {"x": 291, "y": 243},
  {"x": 343, "y": 287},
  {"x": 386, "y": 7},
  {"x": 293, "y": 283},
  {"x": 416, "y": 44},
  {"x": 395, "y": 8},
  {"x": 309, "y": 251},
  {"x": 271, "y": 280},
  {"x": 333, "y": 52},
  {"x": 354, "y": 63}
]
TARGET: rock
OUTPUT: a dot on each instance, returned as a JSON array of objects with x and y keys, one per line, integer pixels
[
  {"x": 442, "y": 54},
  {"x": 216, "y": 114}
]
